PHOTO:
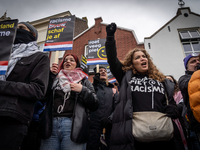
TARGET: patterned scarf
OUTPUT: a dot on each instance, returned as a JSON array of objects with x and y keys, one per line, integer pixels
[
  {"x": 70, "y": 76},
  {"x": 19, "y": 51}
]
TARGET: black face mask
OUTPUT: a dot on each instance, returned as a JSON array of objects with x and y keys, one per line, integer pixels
[{"x": 24, "y": 36}]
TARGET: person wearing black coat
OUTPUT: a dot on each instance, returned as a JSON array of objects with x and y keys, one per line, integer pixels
[
  {"x": 64, "y": 123},
  {"x": 24, "y": 84},
  {"x": 191, "y": 63},
  {"x": 142, "y": 88},
  {"x": 102, "y": 117}
]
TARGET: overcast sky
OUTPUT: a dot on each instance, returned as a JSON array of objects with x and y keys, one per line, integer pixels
[{"x": 143, "y": 16}]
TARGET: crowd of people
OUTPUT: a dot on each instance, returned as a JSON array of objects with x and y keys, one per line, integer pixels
[{"x": 58, "y": 108}]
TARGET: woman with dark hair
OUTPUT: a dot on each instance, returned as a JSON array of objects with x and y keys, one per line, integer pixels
[
  {"x": 65, "y": 120},
  {"x": 142, "y": 89},
  {"x": 180, "y": 137}
]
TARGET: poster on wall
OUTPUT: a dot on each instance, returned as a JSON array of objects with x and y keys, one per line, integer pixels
[
  {"x": 7, "y": 35},
  {"x": 60, "y": 34},
  {"x": 96, "y": 52}
]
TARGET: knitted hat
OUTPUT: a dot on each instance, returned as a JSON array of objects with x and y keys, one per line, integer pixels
[
  {"x": 31, "y": 28},
  {"x": 99, "y": 68},
  {"x": 187, "y": 58}
]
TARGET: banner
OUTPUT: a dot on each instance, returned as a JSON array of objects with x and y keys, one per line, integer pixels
[
  {"x": 84, "y": 66},
  {"x": 60, "y": 34},
  {"x": 7, "y": 34},
  {"x": 96, "y": 52}
]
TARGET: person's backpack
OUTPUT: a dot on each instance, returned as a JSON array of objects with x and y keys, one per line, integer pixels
[{"x": 194, "y": 94}]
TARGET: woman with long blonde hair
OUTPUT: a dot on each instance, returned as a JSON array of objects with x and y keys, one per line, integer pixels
[{"x": 142, "y": 89}]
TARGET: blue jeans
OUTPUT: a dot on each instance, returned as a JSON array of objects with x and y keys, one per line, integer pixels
[{"x": 60, "y": 138}]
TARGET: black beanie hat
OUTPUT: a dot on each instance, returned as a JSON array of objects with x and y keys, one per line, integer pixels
[
  {"x": 99, "y": 68},
  {"x": 31, "y": 28}
]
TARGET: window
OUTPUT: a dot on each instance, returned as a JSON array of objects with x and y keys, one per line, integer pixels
[
  {"x": 86, "y": 51},
  {"x": 189, "y": 34},
  {"x": 190, "y": 40}
]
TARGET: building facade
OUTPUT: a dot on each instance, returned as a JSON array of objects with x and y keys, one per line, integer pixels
[
  {"x": 125, "y": 40},
  {"x": 42, "y": 25},
  {"x": 178, "y": 38}
]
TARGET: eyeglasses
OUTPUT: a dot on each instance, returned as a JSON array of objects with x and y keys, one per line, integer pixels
[{"x": 71, "y": 60}]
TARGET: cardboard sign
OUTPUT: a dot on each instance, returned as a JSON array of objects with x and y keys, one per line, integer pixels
[
  {"x": 96, "y": 52},
  {"x": 7, "y": 35},
  {"x": 60, "y": 34}
]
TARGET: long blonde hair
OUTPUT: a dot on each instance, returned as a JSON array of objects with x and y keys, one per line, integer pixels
[{"x": 152, "y": 72}]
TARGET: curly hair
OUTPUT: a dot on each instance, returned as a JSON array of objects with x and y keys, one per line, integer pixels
[{"x": 152, "y": 72}]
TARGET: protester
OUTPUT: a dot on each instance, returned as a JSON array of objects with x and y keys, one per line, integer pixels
[
  {"x": 66, "y": 115},
  {"x": 24, "y": 83},
  {"x": 190, "y": 62},
  {"x": 181, "y": 136},
  {"x": 138, "y": 78},
  {"x": 101, "y": 118}
]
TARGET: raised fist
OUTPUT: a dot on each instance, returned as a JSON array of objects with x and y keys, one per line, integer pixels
[{"x": 110, "y": 29}]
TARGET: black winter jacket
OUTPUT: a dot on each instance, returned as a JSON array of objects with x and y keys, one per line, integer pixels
[
  {"x": 183, "y": 85},
  {"x": 107, "y": 100},
  {"x": 121, "y": 135},
  {"x": 86, "y": 101},
  {"x": 25, "y": 85}
]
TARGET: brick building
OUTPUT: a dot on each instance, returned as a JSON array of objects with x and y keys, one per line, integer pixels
[{"x": 125, "y": 40}]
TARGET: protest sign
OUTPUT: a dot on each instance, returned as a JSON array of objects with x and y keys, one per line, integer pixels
[
  {"x": 96, "y": 52},
  {"x": 7, "y": 34},
  {"x": 60, "y": 34},
  {"x": 84, "y": 66}
]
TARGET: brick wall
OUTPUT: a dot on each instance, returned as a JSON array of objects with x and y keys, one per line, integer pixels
[{"x": 125, "y": 40}]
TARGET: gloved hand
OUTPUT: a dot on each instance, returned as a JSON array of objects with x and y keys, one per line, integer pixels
[
  {"x": 106, "y": 123},
  {"x": 110, "y": 29},
  {"x": 171, "y": 111}
]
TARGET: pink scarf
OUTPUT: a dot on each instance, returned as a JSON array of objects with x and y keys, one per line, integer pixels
[
  {"x": 178, "y": 97},
  {"x": 70, "y": 76}
]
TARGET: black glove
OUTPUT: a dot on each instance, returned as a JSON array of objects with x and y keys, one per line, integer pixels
[
  {"x": 171, "y": 111},
  {"x": 110, "y": 29},
  {"x": 97, "y": 76},
  {"x": 106, "y": 123}
]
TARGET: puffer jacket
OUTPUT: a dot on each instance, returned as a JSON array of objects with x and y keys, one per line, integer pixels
[
  {"x": 25, "y": 85},
  {"x": 85, "y": 101},
  {"x": 183, "y": 82},
  {"x": 194, "y": 94}
]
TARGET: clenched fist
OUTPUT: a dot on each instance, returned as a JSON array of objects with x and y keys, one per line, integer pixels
[{"x": 110, "y": 29}]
